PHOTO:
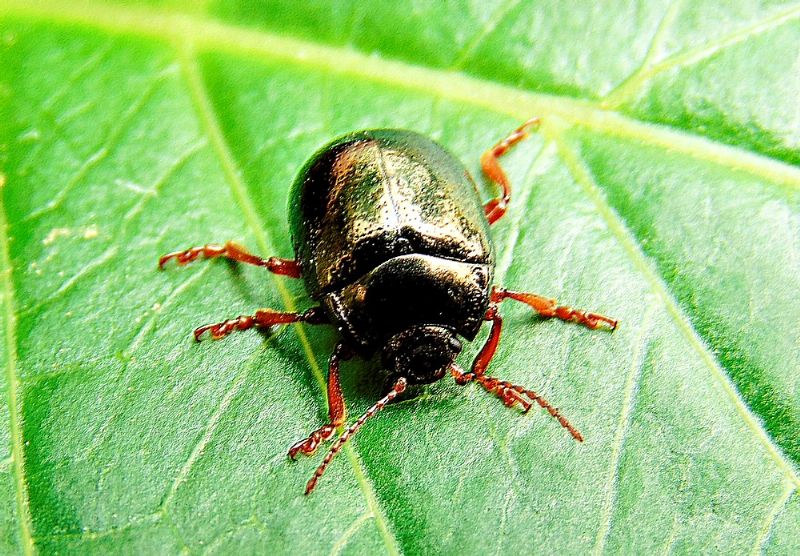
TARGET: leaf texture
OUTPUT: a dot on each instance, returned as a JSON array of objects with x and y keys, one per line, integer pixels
[{"x": 661, "y": 189}]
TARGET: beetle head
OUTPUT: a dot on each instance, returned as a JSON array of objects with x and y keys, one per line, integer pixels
[{"x": 421, "y": 354}]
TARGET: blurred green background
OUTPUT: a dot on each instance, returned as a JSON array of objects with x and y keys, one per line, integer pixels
[{"x": 663, "y": 189}]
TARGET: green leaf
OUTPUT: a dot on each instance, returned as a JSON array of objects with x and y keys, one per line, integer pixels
[{"x": 662, "y": 189}]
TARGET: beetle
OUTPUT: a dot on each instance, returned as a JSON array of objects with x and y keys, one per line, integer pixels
[{"x": 392, "y": 241}]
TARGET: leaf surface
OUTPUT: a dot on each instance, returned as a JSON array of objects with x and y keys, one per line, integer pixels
[{"x": 662, "y": 189}]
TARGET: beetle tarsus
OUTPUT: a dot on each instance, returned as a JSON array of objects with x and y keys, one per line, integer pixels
[
  {"x": 490, "y": 163},
  {"x": 337, "y": 411},
  {"x": 510, "y": 394},
  {"x": 221, "y": 329},
  {"x": 235, "y": 252},
  {"x": 264, "y": 318},
  {"x": 309, "y": 445},
  {"x": 549, "y": 308}
]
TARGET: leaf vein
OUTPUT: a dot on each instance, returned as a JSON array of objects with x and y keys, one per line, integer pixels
[
  {"x": 200, "y": 446},
  {"x": 104, "y": 150},
  {"x": 623, "y": 426},
  {"x": 772, "y": 516},
  {"x": 69, "y": 283},
  {"x": 519, "y": 207},
  {"x": 186, "y": 55},
  {"x": 632, "y": 249},
  {"x": 173, "y": 168},
  {"x": 123, "y": 380},
  {"x": 215, "y": 543},
  {"x": 88, "y": 65},
  {"x": 24, "y": 519},
  {"x": 657, "y": 41},
  {"x": 93, "y": 535},
  {"x": 690, "y": 57},
  {"x": 497, "y": 17},
  {"x": 339, "y": 545}
]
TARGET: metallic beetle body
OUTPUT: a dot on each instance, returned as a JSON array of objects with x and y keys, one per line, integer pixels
[
  {"x": 393, "y": 243},
  {"x": 390, "y": 233}
]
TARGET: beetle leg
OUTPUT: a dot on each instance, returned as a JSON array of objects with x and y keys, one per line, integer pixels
[
  {"x": 264, "y": 318},
  {"x": 496, "y": 208},
  {"x": 510, "y": 394},
  {"x": 234, "y": 252},
  {"x": 488, "y": 350},
  {"x": 549, "y": 308},
  {"x": 398, "y": 388},
  {"x": 337, "y": 412}
]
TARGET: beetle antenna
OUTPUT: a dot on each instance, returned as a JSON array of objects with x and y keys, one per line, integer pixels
[{"x": 398, "y": 388}]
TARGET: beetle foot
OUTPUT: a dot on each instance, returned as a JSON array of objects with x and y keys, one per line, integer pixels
[
  {"x": 264, "y": 318},
  {"x": 511, "y": 394},
  {"x": 309, "y": 445},
  {"x": 188, "y": 255},
  {"x": 234, "y": 252},
  {"x": 221, "y": 329},
  {"x": 549, "y": 308}
]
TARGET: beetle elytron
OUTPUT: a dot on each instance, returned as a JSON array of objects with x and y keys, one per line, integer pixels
[{"x": 393, "y": 242}]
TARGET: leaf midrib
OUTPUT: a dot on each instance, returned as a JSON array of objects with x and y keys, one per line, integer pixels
[
  {"x": 207, "y": 35},
  {"x": 206, "y": 113},
  {"x": 12, "y": 384}
]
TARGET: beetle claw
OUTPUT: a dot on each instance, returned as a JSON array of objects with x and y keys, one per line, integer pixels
[
  {"x": 198, "y": 332},
  {"x": 302, "y": 446},
  {"x": 309, "y": 445}
]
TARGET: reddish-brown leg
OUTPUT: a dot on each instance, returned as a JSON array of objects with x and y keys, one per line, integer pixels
[
  {"x": 264, "y": 318},
  {"x": 508, "y": 393},
  {"x": 548, "y": 308},
  {"x": 337, "y": 411},
  {"x": 398, "y": 388},
  {"x": 234, "y": 252},
  {"x": 490, "y": 163}
]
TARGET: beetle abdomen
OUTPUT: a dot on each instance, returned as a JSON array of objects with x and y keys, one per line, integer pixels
[{"x": 374, "y": 195}]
